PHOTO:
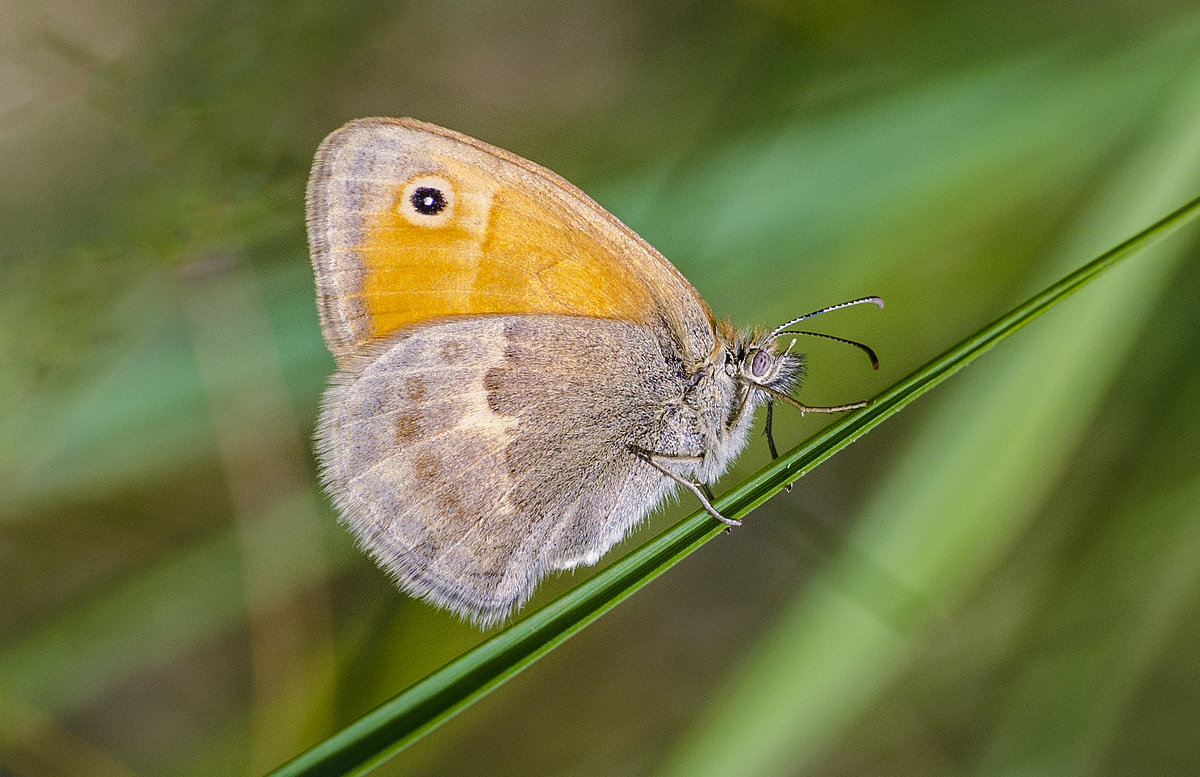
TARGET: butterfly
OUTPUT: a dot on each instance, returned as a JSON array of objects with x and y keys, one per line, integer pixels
[{"x": 521, "y": 377}]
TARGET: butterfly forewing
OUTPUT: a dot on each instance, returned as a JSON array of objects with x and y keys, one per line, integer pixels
[{"x": 409, "y": 221}]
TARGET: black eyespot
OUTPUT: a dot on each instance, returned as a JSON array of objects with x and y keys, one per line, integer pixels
[
  {"x": 428, "y": 201},
  {"x": 760, "y": 365}
]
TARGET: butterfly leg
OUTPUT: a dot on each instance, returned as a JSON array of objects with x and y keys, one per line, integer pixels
[
  {"x": 649, "y": 457},
  {"x": 708, "y": 493},
  {"x": 767, "y": 430},
  {"x": 771, "y": 437}
]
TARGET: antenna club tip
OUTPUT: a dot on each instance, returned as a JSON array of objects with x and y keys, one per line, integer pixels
[{"x": 877, "y": 300}]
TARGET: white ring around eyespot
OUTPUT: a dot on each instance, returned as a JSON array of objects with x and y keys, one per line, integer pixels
[{"x": 405, "y": 206}]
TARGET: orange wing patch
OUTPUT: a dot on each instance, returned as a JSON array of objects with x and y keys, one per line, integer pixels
[
  {"x": 409, "y": 222},
  {"x": 508, "y": 263}
]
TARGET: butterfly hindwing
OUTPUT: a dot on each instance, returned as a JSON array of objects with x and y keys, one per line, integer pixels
[{"x": 470, "y": 458}]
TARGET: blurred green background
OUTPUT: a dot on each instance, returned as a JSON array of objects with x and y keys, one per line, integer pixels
[{"x": 1003, "y": 580}]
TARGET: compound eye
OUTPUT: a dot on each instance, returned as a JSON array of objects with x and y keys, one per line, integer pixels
[{"x": 760, "y": 364}]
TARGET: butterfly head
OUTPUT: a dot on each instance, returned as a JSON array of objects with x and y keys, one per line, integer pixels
[
  {"x": 756, "y": 360},
  {"x": 764, "y": 369}
]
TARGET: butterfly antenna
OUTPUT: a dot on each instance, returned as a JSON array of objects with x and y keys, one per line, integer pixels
[
  {"x": 878, "y": 301},
  {"x": 783, "y": 329},
  {"x": 861, "y": 346}
]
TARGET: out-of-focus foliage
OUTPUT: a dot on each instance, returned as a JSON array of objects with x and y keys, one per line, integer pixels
[{"x": 1003, "y": 580}]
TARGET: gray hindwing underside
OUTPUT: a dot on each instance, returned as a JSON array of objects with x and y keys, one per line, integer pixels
[{"x": 472, "y": 456}]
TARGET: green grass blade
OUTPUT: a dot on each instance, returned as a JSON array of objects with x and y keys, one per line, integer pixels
[
  {"x": 845, "y": 662},
  {"x": 407, "y": 717}
]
